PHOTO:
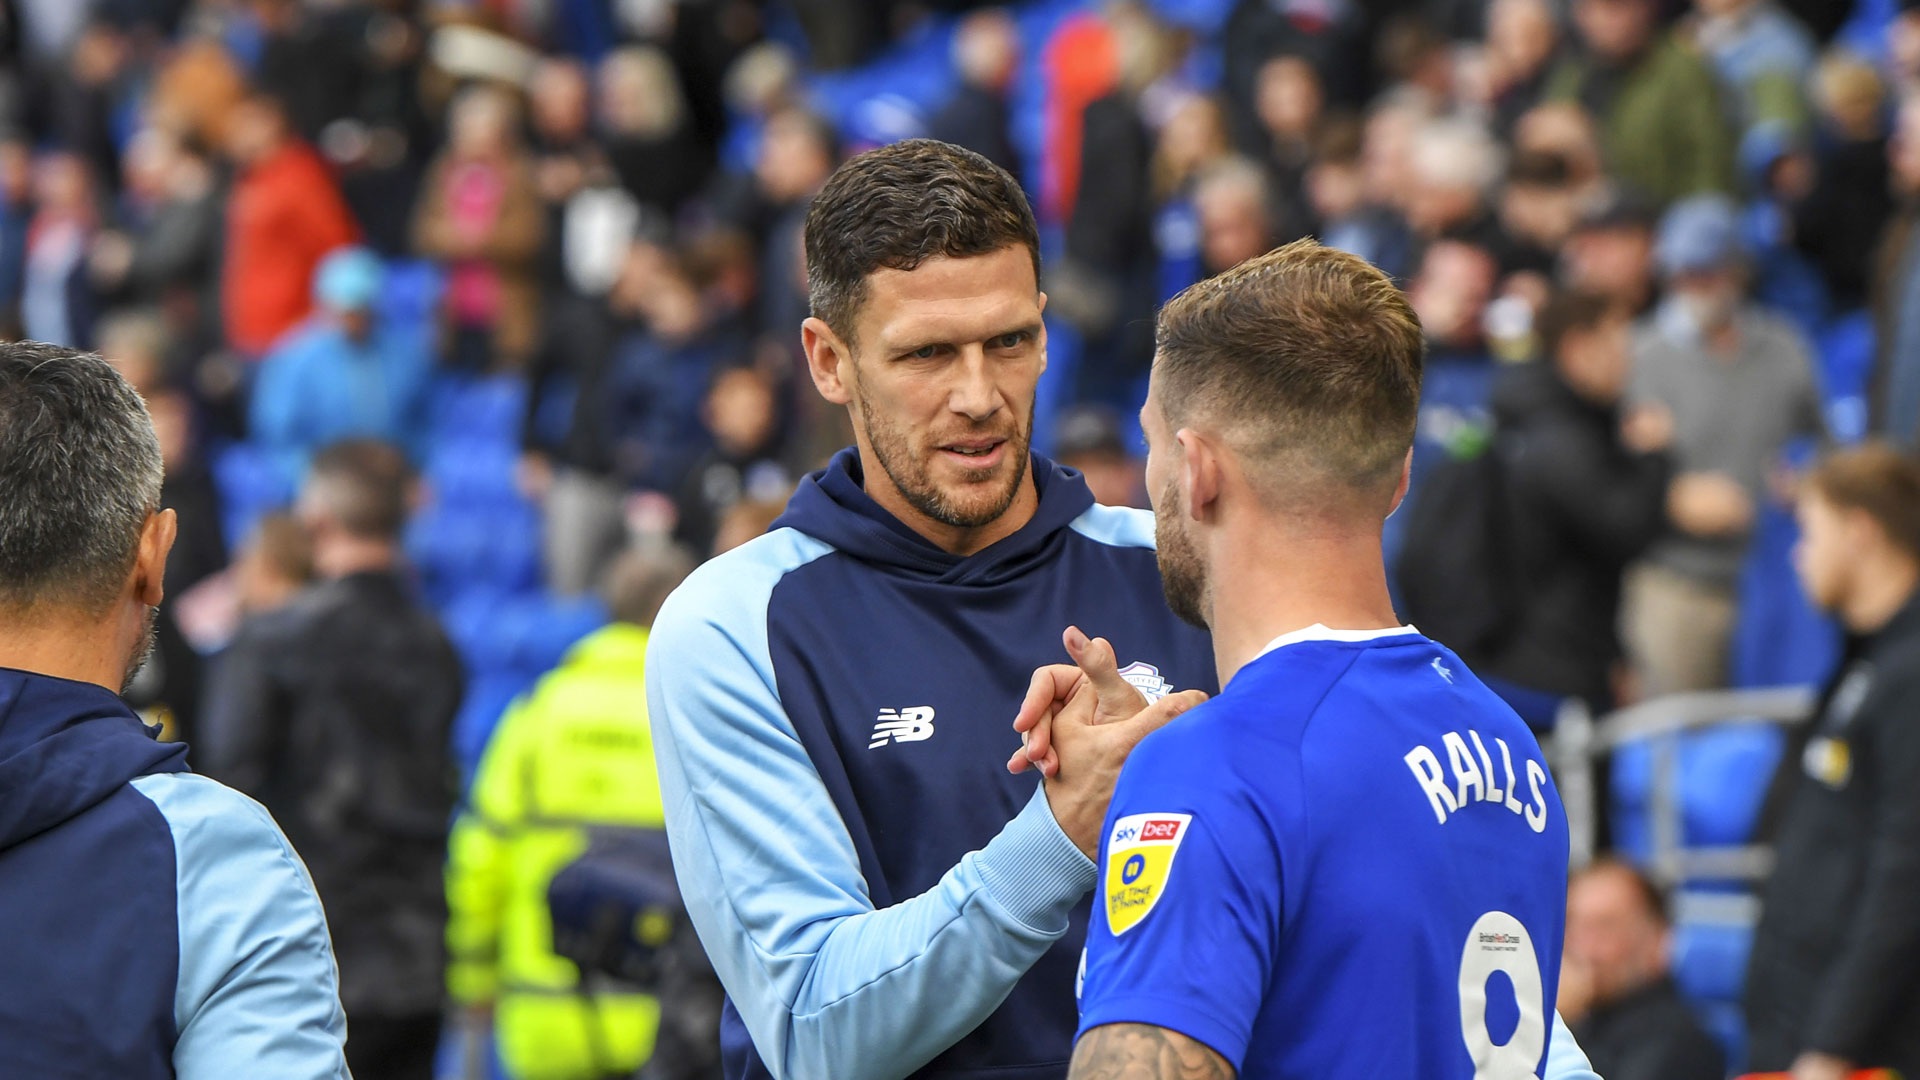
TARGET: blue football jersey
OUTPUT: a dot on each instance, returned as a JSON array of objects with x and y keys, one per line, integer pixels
[{"x": 1350, "y": 863}]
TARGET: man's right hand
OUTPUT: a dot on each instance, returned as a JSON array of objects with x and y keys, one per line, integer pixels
[{"x": 1091, "y": 754}]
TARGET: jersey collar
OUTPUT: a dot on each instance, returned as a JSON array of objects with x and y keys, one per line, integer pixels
[{"x": 1320, "y": 632}]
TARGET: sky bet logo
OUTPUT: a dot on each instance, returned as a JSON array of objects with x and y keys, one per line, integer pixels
[{"x": 1159, "y": 830}]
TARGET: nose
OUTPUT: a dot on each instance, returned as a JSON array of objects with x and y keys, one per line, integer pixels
[{"x": 974, "y": 394}]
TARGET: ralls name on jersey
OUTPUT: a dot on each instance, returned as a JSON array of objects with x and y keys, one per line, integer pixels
[
  {"x": 1140, "y": 852},
  {"x": 1471, "y": 778}
]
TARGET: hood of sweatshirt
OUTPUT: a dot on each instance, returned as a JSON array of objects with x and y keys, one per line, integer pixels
[
  {"x": 832, "y": 505},
  {"x": 64, "y": 747}
]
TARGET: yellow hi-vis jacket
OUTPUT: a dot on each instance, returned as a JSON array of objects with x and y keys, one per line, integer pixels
[{"x": 573, "y": 753}]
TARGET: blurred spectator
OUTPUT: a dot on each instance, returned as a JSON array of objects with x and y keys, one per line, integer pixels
[
  {"x": 1539, "y": 209},
  {"x": 742, "y": 415},
  {"x": 1236, "y": 218},
  {"x": 567, "y": 464},
  {"x": 1897, "y": 377},
  {"x": 1191, "y": 145},
  {"x": 1450, "y": 294},
  {"x": 334, "y": 712},
  {"x": 1416, "y": 62},
  {"x": 1616, "y": 990},
  {"x": 348, "y": 372},
  {"x": 1610, "y": 252},
  {"x": 1377, "y": 231},
  {"x": 1588, "y": 484},
  {"x": 16, "y": 217},
  {"x": 572, "y": 758},
  {"x": 164, "y": 250},
  {"x": 1453, "y": 167},
  {"x": 986, "y": 52},
  {"x": 284, "y": 214},
  {"x": 1762, "y": 55},
  {"x": 1740, "y": 385},
  {"x": 1333, "y": 186},
  {"x": 797, "y": 152},
  {"x": 660, "y": 376},
  {"x": 647, "y": 131},
  {"x": 1088, "y": 438},
  {"x": 1847, "y": 211},
  {"x": 1522, "y": 40},
  {"x": 1566, "y": 130},
  {"x": 565, "y": 155},
  {"x": 480, "y": 213},
  {"x": 1332, "y": 36},
  {"x": 1290, "y": 105},
  {"x": 746, "y": 521},
  {"x": 274, "y": 566},
  {"x": 1834, "y": 980},
  {"x": 57, "y": 301},
  {"x": 1659, "y": 110}
]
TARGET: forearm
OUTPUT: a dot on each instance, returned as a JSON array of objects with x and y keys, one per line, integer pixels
[
  {"x": 829, "y": 987},
  {"x": 1144, "y": 1052}
]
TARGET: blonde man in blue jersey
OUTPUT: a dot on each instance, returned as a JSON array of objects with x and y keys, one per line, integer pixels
[{"x": 1352, "y": 861}]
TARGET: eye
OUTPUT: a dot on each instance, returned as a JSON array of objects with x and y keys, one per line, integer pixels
[
  {"x": 925, "y": 352},
  {"x": 1010, "y": 341}
]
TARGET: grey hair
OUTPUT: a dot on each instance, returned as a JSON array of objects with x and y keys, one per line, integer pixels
[{"x": 80, "y": 473}]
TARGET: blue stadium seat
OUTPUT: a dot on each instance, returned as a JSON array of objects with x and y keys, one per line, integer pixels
[
  {"x": 1846, "y": 349},
  {"x": 1722, "y": 776},
  {"x": 1780, "y": 638},
  {"x": 251, "y": 483},
  {"x": 1710, "y": 964},
  {"x": 487, "y": 699}
]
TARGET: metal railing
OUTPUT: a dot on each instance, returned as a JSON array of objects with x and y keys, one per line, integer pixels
[{"x": 1579, "y": 740}]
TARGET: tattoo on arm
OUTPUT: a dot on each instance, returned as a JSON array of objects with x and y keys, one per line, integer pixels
[{"x": 1144, "y": 1052}]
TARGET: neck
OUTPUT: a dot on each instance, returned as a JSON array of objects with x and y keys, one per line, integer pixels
[
  {"x": 340, "y": 556},
  {"x": 959, "y": 540},
  {"x": 66, "y": 645},
  {"x": 1275, "y": 576},
  {"x": 1884, "y": 590}
]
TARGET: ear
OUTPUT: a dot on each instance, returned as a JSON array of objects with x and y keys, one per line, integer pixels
[
  {"x": 150, "y": 562},
  {"x": 1202, "y": 470},
  {"x": 826, "y": 355},
  {"x": 1406, "y": 477},
  {"x": 1043, "y": 334}
]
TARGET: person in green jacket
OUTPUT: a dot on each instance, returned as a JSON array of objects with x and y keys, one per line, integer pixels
[
  {"x": 573, "y": 754},
  {"x": 1664, "y": 128}
]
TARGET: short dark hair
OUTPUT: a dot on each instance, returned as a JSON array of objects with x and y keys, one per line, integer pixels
[
  {"x": 80, "y": 473},
  {"x": 1308, "y": 357},
  {"x": 900, "y": 205},
  {"x": 366, "y": 485},
  {"x": 1565, "y": 313},
  {"x": 1648, "y": 893},
  {"x": 1880, "y": 480}
]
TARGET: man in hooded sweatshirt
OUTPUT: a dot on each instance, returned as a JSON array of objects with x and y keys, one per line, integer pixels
[
  {"x": 880, "y": 895},
  {"x": 156, "y": 923}
]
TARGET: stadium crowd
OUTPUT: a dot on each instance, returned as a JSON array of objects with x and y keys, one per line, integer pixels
[{"x": 546, "y": 255}]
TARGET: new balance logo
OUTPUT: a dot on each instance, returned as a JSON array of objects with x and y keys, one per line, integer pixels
[{"x": 914, "y": 724}]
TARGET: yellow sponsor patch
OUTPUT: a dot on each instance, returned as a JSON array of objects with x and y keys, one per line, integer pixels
[{"x": 1140, "y": 853}]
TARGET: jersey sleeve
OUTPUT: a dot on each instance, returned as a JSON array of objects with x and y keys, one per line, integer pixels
[{"x": 1187, "y": 912}]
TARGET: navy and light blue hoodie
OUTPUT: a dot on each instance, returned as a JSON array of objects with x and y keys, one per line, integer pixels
[
  {"x": 153, "y": 924},
  {"x": 831, "y": 707}
]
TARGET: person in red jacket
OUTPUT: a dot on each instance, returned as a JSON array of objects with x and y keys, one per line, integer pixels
[{"x": 284, "y": 215}]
